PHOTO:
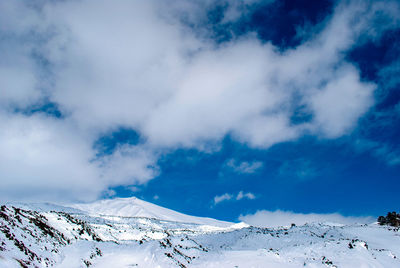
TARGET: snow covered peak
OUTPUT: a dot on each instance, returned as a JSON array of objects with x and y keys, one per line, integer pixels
[{"x": 134, "y": 207}]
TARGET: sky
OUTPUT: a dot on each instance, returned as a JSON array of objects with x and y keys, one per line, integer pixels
[{"x": 227, "y": 109}]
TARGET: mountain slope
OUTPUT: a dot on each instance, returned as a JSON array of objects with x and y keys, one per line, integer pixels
[
  {"x": 134, "y": 207},
  {"x": 49, "y": 237}
]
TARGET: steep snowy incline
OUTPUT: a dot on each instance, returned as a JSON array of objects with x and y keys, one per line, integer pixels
[{"x": 134, "y": 207}]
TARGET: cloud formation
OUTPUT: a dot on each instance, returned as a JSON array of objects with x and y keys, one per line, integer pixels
[
  {"x": 145, "y": 69},
  {"x": 265, "y": 218},
  {"x": 244, "y": 167},
  {"x": 46, "y": 154},
  {"x": 231, "y": 197}
]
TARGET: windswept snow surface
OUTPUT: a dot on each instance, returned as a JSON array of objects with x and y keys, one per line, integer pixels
[
  {"x": 134, "y": 233},
  {"x": 134, "y": 207}
]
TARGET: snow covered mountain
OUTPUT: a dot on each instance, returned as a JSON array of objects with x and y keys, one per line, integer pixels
[
  {"x": 134, "y": 233},
  {"x": 134, "y": 207}
]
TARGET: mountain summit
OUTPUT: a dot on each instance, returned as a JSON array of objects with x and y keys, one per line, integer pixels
[{"x": 134, "y": 207}]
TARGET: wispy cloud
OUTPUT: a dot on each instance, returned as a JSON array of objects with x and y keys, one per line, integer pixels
[
  {"x": 220, "y": 198},
  {"x": 232, "y": 197},
  {"x": 244, "y": 167},
  {"x": 384, "y": 151},
  {"x": 242, "y": 195}
]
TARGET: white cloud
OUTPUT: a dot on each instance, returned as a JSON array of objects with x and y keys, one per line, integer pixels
[
  {"x": 184, "y": 92},
  {"x": 46, "y": 158},
  {"x": 265, "y": 218},
  {"x": 242, "y": 195},
  {"x": 220, "y": 198},
  {"x": 344, "y": 89},
  {"x": 18, "y": 71},
  {"x": 42, "y": 155},
  {"x": 244, "y": 167},
  {"x": 142, "y": 68},
  {"x": 232, "y": 197}
]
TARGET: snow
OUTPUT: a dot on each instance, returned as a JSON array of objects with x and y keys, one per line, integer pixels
[
  {"x": 141, "y": 234},
  {"x": 134, "y": 207}
]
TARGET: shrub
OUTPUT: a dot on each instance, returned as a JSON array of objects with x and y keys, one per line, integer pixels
[{"x": 391, "y": 219}]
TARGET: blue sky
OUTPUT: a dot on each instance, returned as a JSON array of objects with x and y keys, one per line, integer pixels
[{"x": 212, "y": 108}]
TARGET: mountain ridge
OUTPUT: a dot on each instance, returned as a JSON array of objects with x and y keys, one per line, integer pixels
[
  {"x": 59, "y": 236},
  {"x": 135, "y": 207}
]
